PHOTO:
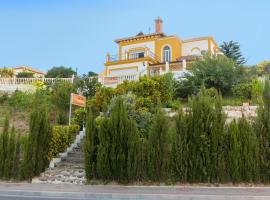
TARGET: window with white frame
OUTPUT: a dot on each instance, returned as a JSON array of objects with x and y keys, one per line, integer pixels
[
  {"x": 136, "y": 55},
  {"x": 166, "y": 54}
]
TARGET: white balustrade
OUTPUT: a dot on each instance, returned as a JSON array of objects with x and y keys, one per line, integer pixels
[
  {"x": 109, "y": 80},
  {"x": 31, "y": 81}
]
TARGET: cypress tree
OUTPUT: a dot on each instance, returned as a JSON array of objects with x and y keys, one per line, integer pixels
[
  {"x": 104, "y": 150},
  {"x": 122, "y": 131},
  {"x": 36, "y": 155},
  {"x": 159, "y": 147},
  {"x": 249, "y": 167},
  {"x": 10, "y": 155},
  {"x": 142, "y": 159},
  {"x": 90, "y": 147},
  {"x": 234, "y": 152},
  {"x": 179, "y": 157},
  {"x": 200, "y": 124},
  {"x": 133, "y": 159},
  {"x": 262, "y": 127},
  {"x": 4, "y": 147},
  {"x": 16, "y": 159},
  {"x": 217, "y": 169}
]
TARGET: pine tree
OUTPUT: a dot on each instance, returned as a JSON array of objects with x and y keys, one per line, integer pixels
[{"x": 232, "y": 50}]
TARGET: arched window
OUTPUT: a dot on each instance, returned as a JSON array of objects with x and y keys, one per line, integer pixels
[{"x": 166, "y": 54}]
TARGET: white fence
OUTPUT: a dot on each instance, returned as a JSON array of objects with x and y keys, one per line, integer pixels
[
  {"x": 113, "y": 81},
  {"x": 31, "y": 81}
]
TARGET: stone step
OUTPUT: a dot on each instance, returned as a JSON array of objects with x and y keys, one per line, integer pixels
[
  {"x": 70, "y": 170},
  {"x": 64, "y": 165},
  {"x": 73, "y": 159},
  {"x": 75, "y": 154}
]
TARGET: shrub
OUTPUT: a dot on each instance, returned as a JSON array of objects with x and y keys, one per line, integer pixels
[
  {"x": 20, "y": 100},
  {"x": 243, "y": 91},
  {"x": 60, "y": 99},
  {"x": 25, "y": 74},
  {"x": 62, "y": 137},
  {"x": 79, "y": 117},
  {"x": 3, "y": 98},
  {"x": 257, "y": 91}
]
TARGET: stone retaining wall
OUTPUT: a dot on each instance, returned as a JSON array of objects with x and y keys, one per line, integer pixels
[
  {"x": 232, "y": 112},
  {"x": 236, "y": 112}
]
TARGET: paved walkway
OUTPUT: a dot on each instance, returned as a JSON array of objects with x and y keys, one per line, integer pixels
[{"x": 50, "y": 191}]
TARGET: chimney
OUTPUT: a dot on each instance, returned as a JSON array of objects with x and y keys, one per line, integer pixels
[{"x": 158, "y": 22}]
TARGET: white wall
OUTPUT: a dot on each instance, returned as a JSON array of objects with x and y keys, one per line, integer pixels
[
  {"x": 150, "y": 45},
  {"x": 187, "y": 47},
  {"x": 142, "y": 66}
]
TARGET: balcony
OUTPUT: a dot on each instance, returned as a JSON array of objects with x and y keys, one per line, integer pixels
[
  {"x": 132, "y": 56},
  {"x": 113, "y": 81},
  {"x": 178, "y": 68}
]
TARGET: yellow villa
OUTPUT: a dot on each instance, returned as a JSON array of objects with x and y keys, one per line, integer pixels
[{"x": 153, "y": 54}]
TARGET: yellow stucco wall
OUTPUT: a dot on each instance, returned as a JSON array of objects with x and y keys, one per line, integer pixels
[{"x": 173, "y": 42}]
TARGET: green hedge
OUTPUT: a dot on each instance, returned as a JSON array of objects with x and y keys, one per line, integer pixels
[{"x": 62, "y": 137}]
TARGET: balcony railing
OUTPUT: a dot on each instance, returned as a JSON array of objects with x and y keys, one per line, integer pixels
[
  {"x": 31, "y": 81},
  {"x": 132, "y": 56},
  {"x": 115, "y": 80}
]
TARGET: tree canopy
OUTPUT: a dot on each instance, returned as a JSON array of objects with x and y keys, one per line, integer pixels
[
  {"x": 60, "y": 72},
  {"x": 217, "y": 72},
  {"x": 232, "y": 50},
  {"x": 87, "y": 84}
]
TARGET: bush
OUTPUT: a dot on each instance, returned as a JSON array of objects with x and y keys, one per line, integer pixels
[
  {"x": 60, "y": 99},
  {"x": 25, "y": 74},
  {"x": 20, "y": 100},
  {"x": 3, "y": 98},
  {"x": 62, "y": 138},
  {"x": 243, "y": 91}
]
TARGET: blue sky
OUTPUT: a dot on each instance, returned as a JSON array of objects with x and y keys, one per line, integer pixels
[{"x": 79, "y": 33}]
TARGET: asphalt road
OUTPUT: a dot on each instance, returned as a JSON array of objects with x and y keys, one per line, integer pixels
[{"x": 50, "y": 192}]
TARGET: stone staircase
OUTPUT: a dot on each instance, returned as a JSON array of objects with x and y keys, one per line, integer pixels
[{"x": 70, "y": 169}]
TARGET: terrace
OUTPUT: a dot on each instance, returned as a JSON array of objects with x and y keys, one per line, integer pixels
[{"x": 144, "y": 54}]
